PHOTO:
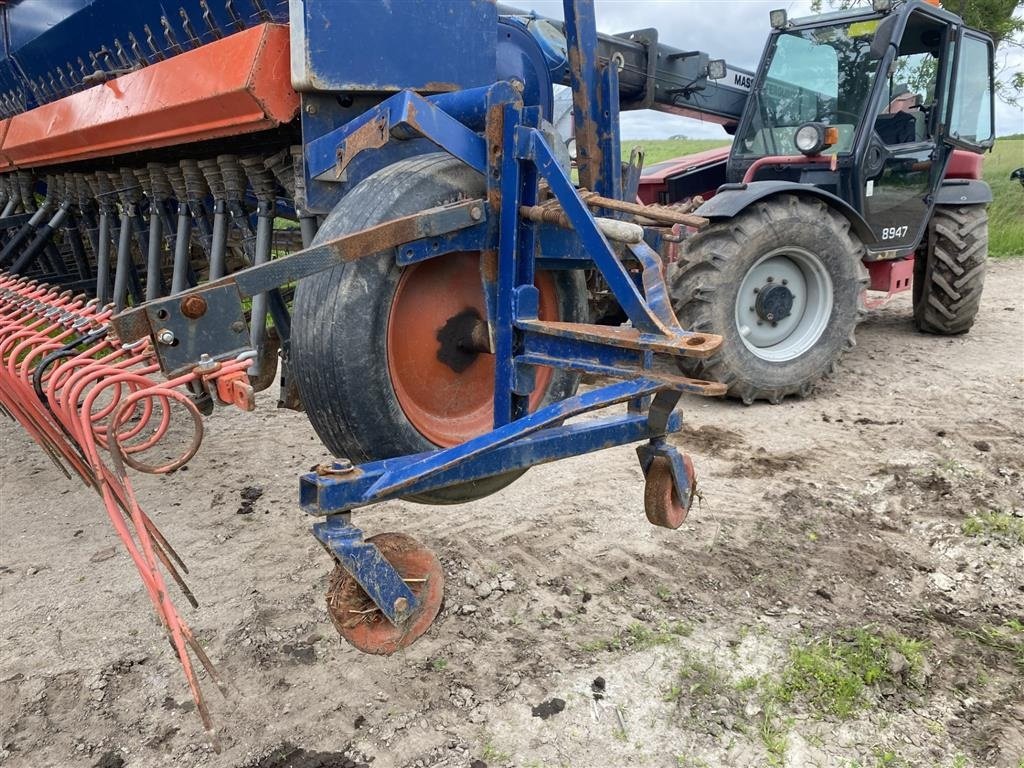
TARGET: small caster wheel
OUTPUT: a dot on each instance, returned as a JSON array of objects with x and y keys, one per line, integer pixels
[
  {"x": 359, "y": 621},
  {"x": 661, "y": 502}
]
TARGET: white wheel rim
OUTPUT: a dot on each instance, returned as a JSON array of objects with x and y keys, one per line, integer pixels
[{"x": 795, "y": 283}]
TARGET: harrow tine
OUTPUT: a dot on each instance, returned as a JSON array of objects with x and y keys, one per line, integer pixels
[{"x": 94, "y": 408}]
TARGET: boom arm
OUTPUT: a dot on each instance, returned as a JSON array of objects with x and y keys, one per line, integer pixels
[{"x": 652, "y": 75}]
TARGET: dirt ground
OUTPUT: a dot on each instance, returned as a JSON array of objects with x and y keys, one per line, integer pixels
[{"x": 888, "y": 505}]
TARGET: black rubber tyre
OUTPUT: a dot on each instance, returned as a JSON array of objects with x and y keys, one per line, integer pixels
[
  {"x": 340, "y": 323},
  {"x": 950, "y": 273},
  {"x": 717, "y": 262}
]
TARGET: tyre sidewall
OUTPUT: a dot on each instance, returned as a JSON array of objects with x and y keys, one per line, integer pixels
[{"x": 356, "y": 412}]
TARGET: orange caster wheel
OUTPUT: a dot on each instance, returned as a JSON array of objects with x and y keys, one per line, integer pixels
[
  {"x": 360, "y": 622},
  {"x": 661, "y": 500}
]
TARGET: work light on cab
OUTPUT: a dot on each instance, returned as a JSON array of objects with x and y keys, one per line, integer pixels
[{"x": 813, "y": 138}]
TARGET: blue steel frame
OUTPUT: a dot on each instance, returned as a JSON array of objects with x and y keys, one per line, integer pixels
[{"x": 513, "y": 156}]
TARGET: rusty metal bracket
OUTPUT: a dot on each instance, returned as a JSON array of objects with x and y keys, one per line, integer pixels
[{"x": 372, "y": 135}]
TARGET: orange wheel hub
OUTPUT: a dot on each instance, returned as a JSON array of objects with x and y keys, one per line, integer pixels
[{"x": 444, "y": 383}]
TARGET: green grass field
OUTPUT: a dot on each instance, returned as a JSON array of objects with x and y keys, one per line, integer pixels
[{"x": 1006, "y": 214}]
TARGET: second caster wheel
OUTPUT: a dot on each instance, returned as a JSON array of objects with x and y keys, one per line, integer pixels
[
  {"x": 662, "y": 504},
  {"x": 359, "y": 621}
]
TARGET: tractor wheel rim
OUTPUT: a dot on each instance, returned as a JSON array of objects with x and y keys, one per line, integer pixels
[
  {"x": 784, "y": 304},
  {"x": 448, "y": 405}
]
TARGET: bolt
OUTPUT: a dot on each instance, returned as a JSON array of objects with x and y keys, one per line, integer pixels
[
  {"x": 311, "y": 109},
  {"x": 757, "y": 290},
  {"x": 770, "y": 279},
  {"x": 751, "y": 309},
  {"x": 785, "y": 282},
  {"x": 401, "y": 605},
  {"x": 193, "y": 307},
  {"x": 774, "y": 324},
  {"x": 475, "y": 213},
  {"x": 165, "y": 336},
  {"x": 769, "y": 316},
  {"x": 341, "y": 465},
  {"x": 238, "y": 326}
]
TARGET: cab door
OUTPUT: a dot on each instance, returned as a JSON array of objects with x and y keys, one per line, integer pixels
[{"x": 905, "y": 158}]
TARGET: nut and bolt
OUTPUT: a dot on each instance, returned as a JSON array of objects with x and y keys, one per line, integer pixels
[
  {"x": 206, "y": 364},
  {"x": 475, "y": 213},
  {"x": 785, "y": 282},
  {"x": 165, "y": 336},
  {"x": 769, "y": 279},
  {"x": 336, "y": 467},
  {"x": 401, "y": 605}
]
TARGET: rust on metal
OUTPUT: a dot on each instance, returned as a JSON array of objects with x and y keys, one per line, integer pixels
[
  {"x": 371, "y": 135},
  {"x": 699, "y": 345},
  {"x": 193, "y": 307},
  {"x": 657, "y": 213}
]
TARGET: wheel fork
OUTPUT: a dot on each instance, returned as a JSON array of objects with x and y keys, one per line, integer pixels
[{"x": 378, "y": 578}]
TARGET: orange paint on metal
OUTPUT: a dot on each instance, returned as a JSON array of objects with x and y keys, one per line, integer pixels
[
  {"x": 4, "y": 125},
  {"x": 446, "y": 406},
  {"x": 236, "y": 85}
]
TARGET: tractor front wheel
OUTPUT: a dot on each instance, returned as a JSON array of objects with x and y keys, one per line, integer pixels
[{"x": 783, "y": 284}]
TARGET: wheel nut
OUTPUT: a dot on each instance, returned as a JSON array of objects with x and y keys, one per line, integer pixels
[
  {"x": 785, "y": 282},
  {"x": 769, "y": 279}
]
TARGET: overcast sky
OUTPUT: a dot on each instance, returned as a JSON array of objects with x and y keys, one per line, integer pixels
[{"x": 734, "y": 30}]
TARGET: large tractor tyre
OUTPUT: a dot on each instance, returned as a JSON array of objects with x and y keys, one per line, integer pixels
[
  {"x": 783, "y": 284},
  {"x": 950, "y": 275},
  {"x": 382, "y": 354}
]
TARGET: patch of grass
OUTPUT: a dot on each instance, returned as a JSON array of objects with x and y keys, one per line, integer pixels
[
  {"x": 996, "y": 525},
  {"x": 1008, "y": 638},
  {"x": 697, "y": 681},
  {"x": 493, "y": 754},
  {"x": 1006, "y": 225},
  {"x": 773, "y": 732},
  {"x": 438, "y": 664},
  {"x": 831, "y": 674},
  {"x": 639, "y": 636},
  {"x": 666, "y": 149}
]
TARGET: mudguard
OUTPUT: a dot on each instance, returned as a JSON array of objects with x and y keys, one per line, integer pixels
[
  {"x": 963, "y": 192},
  {"x": 731, "y": 199}
]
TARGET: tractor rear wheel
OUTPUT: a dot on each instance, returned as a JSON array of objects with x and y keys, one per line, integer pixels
[
  {"x": 950, "y": 275},
  {"x": 385, "y": 357},
  {"x": 783, "y": 284}
]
